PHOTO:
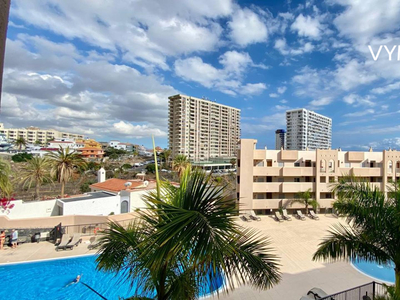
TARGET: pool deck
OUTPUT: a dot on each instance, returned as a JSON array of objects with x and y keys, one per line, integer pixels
[
  {"x": 42, "y": 250},
  {"x": 295, "y": 242}
]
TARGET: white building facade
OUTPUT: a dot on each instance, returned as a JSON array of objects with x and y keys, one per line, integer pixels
[
  {"x": 202, "y": 129},
  {"x": 307, "y": 130}
]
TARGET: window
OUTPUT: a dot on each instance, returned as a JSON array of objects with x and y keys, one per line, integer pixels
[
  {"x": 238, "y": 179},
  {"x": 269, "y": 162},
  {"x": 297, "y": 179},
  {"x": 281, "y": 164},
  {"x": 124, "y": 207},
  {"x": 281, "y": 179},
  {"x": 269, "y": 178},
  {"x": 281, "y": 196},
  {"x": 297, "y": 164},
  {"x": 269, "y": 195},
  {"x": 331, "y": 179},
  {"x": 322, "y": 179}
]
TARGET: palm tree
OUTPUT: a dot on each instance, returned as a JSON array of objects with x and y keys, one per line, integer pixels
[
  {"x": 6, "y": 187},
  {"x": 233, "y": 162},
  {"x": 305, "y": 198},
  {"x": 180, "y": 164},
  {"x": 19, "y": 142},
  {"x": 167, "y": 154},
  {"x": 36, "y": 171},
  {"x": 372, "y": 232},
  {"x": 37, "y": 143},
  {"x": 185, "y": 240},
  {"x": 63, "y": 164}
]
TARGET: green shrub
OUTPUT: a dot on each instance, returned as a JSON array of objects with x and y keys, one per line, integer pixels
[{"x": 21, "y": 157}]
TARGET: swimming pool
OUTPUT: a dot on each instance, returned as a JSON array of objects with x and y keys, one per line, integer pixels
[
  {"x": 48, "y": 280},
  {"x": 384, "y": 273}
]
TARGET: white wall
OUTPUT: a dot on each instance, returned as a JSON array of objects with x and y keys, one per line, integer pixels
[
  {"x": 136, "y": 199},
  {"x": 100, "y": 206},
  {"x": 31, "y": 209}
]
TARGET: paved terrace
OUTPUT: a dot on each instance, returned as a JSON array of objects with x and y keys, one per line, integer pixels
[{"x": 295, "y": 242}]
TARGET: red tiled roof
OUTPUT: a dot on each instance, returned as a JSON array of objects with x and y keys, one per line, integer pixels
[{"x": 116, "y": 185}]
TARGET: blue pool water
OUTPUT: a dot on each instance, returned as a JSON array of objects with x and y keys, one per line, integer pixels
[
  {"x": 384, "y": 273},
  {"x": 47, "y": 280}
]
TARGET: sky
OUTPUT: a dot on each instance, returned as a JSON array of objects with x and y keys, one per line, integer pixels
[{"x": 106, "y": 68}]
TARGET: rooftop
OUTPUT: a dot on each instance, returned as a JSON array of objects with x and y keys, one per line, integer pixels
[
  {"x": 117, "y": 185},
  {"x": 88, "y": 196}
]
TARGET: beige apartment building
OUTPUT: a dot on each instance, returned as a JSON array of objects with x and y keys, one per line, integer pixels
[
  {"x": 269, "y": 179},
  {"x": 202, "y": 129},
  {"x": 33, "y": 134}
]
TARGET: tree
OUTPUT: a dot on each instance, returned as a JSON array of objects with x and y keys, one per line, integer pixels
[
  {"x": 63, "y": 164},
  {"x": 36, "y": 172},
  {"x": 38, "y": 143},
  {"x": 305, "y": 198},
  {"x": 233, "y": 162},
  {"x": 21, "y": 157},
  {"x": 372, "y": 232},
  {"x": 20, "y": 142},
  {"x": 166, "y": 155},
  {"x": 187, "y": 237},
  {"x": 180, "y": 164},
  {"x": 151, "y": 168},
  {"x": 6, "y": 187}
]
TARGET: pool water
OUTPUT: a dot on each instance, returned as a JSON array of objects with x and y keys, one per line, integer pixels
[
  {"x": 381, "y": 272},
  {"x": 49, "y": 280}
]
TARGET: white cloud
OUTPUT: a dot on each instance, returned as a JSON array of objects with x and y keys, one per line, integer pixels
[
  {"x": 282, "y": 89},
  {"x": 353, "y": 74},
  {"x": 360, "y": 113},
  {"x": 228, "y": 79},
  {"x": 307, "y": 26},
  {"x": 284, "y": 49},
  {"x": 247, "y": 27},
  {"x": 141, "y": 30},
  {"x": 357, "y": 100},
  {"x": 321, "y": 102},
  {"x": 136, "y": 131},
  {"x": 361, "y": 20},
  {"x": 386, "y": 89},
  {"x": 274, "y": 95}
]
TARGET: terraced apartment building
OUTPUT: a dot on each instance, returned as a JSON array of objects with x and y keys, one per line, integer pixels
[
  {"x": 268, "y": 179},
  {"x": 33, "y": 134},
  {"x": 202, "y": 129}
]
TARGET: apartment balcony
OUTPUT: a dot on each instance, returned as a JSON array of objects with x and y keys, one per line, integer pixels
[
  {"x": 267, "y": 171},
  {"x": 298, "y": 171},
  {"x": 266, "y": 203},
  {"x": 325, "y": 187},
  {"x": 273, "y": 187},
  {"x": 367, "y": 172},
  {"x": 295, "y": 187}
]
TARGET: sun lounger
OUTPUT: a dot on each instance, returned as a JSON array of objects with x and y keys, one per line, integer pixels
[
  {"x": 64, "y": 242},
  {"x": 253, "y": 216},
  {"x": 244, "y": 218},
  {"x": 300, "y": 215},
  {"x": 313, "y": 215},
  {"x": 286, "y": 216},
  {"x": 317, "y": 293},
  {"x": 278, "y": 216},
  {"x": 94, "y": 242},
  {"x": 76, "y": 239}
]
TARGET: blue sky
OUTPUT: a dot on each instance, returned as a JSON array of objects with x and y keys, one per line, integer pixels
[{"x": 106, "y": 68}]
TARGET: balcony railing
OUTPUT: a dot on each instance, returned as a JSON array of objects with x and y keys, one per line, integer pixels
[{"x": 362, "y": 292}]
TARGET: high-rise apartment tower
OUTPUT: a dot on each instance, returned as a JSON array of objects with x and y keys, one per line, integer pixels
[
  {"x": 202, "y": 129},
  {"x": 307, "y": 130},
  {"x": 280, "y": 139}
]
